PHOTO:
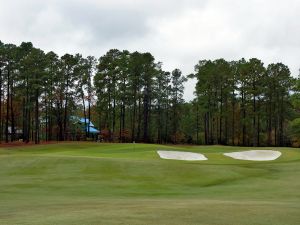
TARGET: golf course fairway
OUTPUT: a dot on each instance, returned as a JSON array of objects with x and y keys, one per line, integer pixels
[{"x": 97, "y": 183}]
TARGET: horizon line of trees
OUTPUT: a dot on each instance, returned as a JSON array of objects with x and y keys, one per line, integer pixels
[
  {"x": 245, "y": 103},
  {"x": 130, "y": 98},
  {"x": 127, "y": 95}
]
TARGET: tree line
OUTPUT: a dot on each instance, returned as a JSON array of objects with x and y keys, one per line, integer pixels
[
  {"x": 127, "y": 95},
  {"x": 245, "y": 103},
  {"x": 130, "y": 98}
]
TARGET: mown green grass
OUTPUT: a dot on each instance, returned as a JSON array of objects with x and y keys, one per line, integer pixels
[{"x": 92, "y": 183}]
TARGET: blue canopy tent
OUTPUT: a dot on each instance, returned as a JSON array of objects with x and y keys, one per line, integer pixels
[
  {"x": 82, "y": 120},
  {"x": 92, "y": 130},
  {"x": 89, "y": 125}
]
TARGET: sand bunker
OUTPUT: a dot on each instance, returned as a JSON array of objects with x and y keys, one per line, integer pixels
[
  {"x": 255, "y": 155},
  {"x": 189, "y": 156}
]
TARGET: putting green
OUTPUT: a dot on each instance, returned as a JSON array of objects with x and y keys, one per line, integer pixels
[{"x": 91, "y": 183}]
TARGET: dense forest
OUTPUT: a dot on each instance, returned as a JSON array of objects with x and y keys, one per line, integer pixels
[{"x": 130, "y": 98}]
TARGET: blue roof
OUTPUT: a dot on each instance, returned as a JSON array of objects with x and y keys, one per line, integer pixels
[
  {"x": 89, "y": 124},
  {"x": 93, "y": 130},
  {"x": 87, "y": 121}
]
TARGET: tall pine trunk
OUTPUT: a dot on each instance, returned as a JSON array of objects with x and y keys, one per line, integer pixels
[
  {"x": 270, "y": 123},
  {"x": 37, "y": 124},
  {"x": 254, "y": 122},
  {"x": 89, "y": 115},
  {"x": 84, "y": 113},
  {"x": 133, "y": 118},
  {"x": 7, "y": 105},
  {"x": 12, "y": 116},
  {"x": 1, "y": 134},
  {"x": 146, "y": 116},
  {"x": 233, "y": 124},
  {"x": 139, "y": 119},
  {"x": 244, "y": 119}
]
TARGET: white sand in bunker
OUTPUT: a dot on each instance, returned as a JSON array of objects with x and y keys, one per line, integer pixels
[
  {"x": 255, "y": 155},
  {"x": 176, "y": 155}
]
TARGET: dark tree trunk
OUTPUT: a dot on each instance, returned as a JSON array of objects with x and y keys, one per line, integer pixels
[
  {"x": 28, "y": 126},
  {"x": 99, "y": 121},
  {"x": 197, "y": 125},
  {"x": 146, "y": 116},
  {"x": 281, "y": 122},
  {"x": 159, "y": 125},
  {"x": 65, "y": 121},
  {"x": 7, "y": 105},
  {"x": 84, "y": 113},
  {"x": 166, "y": 121},
  {"x": 206, "y": 129},
  {"x": 50, "y": 126},
  {"x": 220, "y": 120},
  {"x": 26, "y": 115},
  {"x": 133, "y": 117},
  {"x": 275, "y": 131},
  {"x": 254, "y": 122},
  {"x": 233, "y": 124},
  {"x": 47, "y": 118},
  {"x": 258, "y": 123},
  {"x": 64, "y": 134},
  {"x": 37, "y": 124},
  {"x": 120, "y": 122},
  {"x": 123, "y": 122},
  {"x": 258, "y": 130},
  {"x": 114, "y": 116},
  {"x": 211, "y": 127},
  {"x": 89, "y": 114},
  {"x": 12, "y": 116},
  {"x": 270, "y": 123},
  {"x": 32, "y": 130},
  {"x": 59, "y": 122},
  {"x": 226, "y": 123},
  {"x": 139, "y": 120},
  {"x": 1, "y": 134},
  {"x": 244, "y": 119}
]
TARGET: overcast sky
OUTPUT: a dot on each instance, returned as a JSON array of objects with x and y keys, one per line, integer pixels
[{"x": 177, "y": 33}]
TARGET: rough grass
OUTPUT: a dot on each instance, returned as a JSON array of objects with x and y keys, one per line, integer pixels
[{"x": 91, "y": 183}]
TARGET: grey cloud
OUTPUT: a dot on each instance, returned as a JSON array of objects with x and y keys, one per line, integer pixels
[
  {"x": 105, "y": 23},
  {"x": 178, "y": 33}
]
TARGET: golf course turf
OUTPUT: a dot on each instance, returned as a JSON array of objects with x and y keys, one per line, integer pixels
[{"x": 97, "y": 183}]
